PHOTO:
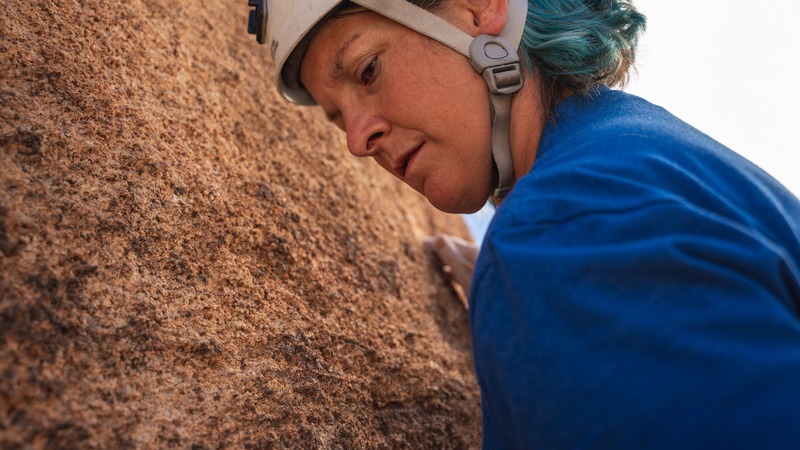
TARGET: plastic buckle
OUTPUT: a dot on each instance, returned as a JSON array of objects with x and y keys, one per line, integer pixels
[
  {"x": 497, "y": 60},
  {"x": 504, "y": 79},
  {"x": 257, "y": 20}
]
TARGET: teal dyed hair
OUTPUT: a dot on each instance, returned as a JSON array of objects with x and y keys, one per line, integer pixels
[{"x": 576, "y": 45}]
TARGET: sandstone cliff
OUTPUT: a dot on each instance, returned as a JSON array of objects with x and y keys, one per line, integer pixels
[{"x": 188, "y": 262}]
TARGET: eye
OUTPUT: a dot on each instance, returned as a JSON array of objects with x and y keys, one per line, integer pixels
[{"x": 369, "y": 72}]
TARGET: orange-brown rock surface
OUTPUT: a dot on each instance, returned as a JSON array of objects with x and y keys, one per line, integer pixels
[{"x": 188, "y": 262}]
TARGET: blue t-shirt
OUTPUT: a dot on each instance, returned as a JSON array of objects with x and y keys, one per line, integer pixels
[{"x": 639, "y": 288}]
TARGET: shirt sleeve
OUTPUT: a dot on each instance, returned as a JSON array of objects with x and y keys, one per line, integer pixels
[{"x": 648, "y": 323}]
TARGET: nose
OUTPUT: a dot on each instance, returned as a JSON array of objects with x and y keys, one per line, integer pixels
[{"x": 365, "y": 133}]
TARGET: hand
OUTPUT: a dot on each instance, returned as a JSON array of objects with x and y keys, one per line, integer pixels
[{"x": 457, "y": 255}]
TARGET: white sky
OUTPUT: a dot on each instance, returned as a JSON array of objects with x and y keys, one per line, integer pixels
[{"x": 731, "y": 69}]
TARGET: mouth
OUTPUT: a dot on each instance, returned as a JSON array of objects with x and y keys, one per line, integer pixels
[{"x": 401, "y": 164}]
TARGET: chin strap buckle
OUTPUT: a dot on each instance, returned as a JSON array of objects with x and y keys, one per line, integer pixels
[
  {"x": 497, "y": 60},
  {"x": 257, "y": 20},
  {"x": 503, "y": 79}
]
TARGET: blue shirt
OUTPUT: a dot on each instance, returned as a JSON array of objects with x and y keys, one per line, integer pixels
[{"x": 639, "y": 288}]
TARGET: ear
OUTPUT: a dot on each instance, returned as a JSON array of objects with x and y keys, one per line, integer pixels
[{"x": 483, "y": 16}]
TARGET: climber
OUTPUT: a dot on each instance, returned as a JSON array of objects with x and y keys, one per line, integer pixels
[{"x": 639, "y": 285}]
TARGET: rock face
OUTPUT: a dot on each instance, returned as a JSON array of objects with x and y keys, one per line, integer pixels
[{"x": 188, "y": 262}]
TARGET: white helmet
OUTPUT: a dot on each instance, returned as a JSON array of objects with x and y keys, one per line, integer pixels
[{"x": 289, "y": 24}]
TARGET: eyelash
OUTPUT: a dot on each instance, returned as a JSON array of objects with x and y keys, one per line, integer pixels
[{"x": 368, "y": 74}]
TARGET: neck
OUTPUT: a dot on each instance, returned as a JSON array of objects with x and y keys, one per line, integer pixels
[{"x": 527, "y": 124}]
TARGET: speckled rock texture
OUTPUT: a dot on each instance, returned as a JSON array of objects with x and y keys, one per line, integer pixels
[{"x": 188, "y": 262}]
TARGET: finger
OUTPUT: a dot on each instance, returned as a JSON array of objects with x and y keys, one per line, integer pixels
[
  {"x": 457, "y": 256},
  {"x": 467, "y": 249},
  {"x": 434, "y": 242},
  {"x": 442, "y": 247},
  {"x": 462, "y": 265},
  {"x": 459, "y": 252}
]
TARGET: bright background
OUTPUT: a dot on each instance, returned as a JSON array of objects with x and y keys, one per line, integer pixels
[{"x": 730, "y": 69}]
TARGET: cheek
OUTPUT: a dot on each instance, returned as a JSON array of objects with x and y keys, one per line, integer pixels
[
  {"x": 425, "y": 71},
  {"x": 448, "y": 69},
  {"x": 452, "y": 105}
]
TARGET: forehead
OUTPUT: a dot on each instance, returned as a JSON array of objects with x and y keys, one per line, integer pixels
[{"x": 338, "y": 37}]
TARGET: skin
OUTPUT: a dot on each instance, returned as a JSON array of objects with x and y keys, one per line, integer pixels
[
  {"x": 457, "y": 255},
  {"x": 420, "y": 111}
]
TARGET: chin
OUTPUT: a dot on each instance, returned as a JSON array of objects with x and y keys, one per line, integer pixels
[{"x": 457, "y": 201}]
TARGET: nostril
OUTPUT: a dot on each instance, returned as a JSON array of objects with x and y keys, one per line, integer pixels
[{"x": 373, "y": 141}]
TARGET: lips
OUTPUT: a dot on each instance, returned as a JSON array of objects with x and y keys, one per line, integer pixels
[{"x": 401, "y": 164}]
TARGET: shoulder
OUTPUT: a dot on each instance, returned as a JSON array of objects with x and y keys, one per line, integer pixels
[
  {"x": 617, "y": 153},
  {"x": 612, "y": 178}
]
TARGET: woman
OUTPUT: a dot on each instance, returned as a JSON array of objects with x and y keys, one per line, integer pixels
[{"x": 640, "y": 284}]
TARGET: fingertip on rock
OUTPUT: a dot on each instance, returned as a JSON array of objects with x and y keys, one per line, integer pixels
[{"x": 436, "y": 242}]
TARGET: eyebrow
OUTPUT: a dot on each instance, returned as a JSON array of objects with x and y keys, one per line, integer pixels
[{"x": 336, "y": 71}]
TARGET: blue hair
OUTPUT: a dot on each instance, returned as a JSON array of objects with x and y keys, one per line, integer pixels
[{"x": 576, "y": 45}]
